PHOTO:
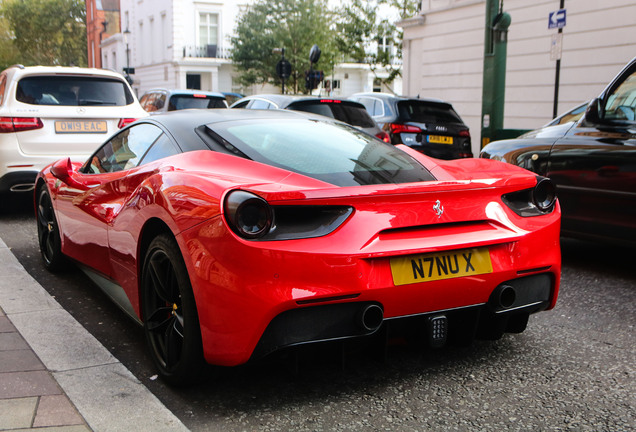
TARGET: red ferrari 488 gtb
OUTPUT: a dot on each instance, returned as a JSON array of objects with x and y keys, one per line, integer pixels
[{"x": 231, "y": 234}]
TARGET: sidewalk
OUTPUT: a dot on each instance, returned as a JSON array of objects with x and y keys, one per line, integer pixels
[{"x": 55, "y": 376}]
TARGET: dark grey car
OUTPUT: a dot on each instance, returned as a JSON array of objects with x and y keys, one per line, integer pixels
[
  {"x": 430, "y": 126},
  {"x": 346, "y": 111}
]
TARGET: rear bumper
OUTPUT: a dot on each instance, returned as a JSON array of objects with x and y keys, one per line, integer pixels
[
  {"x": 18, "y": 181},
  {"x": 514, "y": 298},
  {"x": 253, "y": 301}
]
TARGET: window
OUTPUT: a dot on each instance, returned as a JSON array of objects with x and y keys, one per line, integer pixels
[
  {"x": 373, "y": 106},
  {"x": 261, "y": 104},
  {"x": 124, "y": 150},
  {"x": 162, "y": 148},
  {"x": 73, "y": 91},
  {"x": 332, "y": 152},
  {"x": 3, "y": 85},
  {"x": 208, "y": 29},
  {"x": 621, "y": 105}
]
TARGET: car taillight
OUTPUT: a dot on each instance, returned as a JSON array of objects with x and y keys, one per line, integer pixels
[
  {"x": 198, "y": 95},
  {"x": 125, "y": 122},
  {"x": 464, "y": 133},
  {"x": 329, "y": 101},
  {"x": 383, "y": 136},
  {"x": 19, "y": 124},
  {"x": 247, "y": 214},
  {"x": 402, "y": 128}
]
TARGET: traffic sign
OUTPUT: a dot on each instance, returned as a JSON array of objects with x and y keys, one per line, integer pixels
[{"x": 556, "y": 19}]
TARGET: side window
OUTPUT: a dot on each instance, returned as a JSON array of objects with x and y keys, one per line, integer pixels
[
  {"x": 241, "y": 105},
  {"x": 621, "y": 105},
  {"x": 3, "y": 86},
  {"x": 124, "y": 150},
  {"x": 162, "y": 148},
  {"x": 261, "y": 104},
  {"x": 368, "y": 104},
  {"x": 160, "y": 101}
]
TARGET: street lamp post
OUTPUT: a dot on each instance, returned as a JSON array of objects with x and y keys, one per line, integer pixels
[{"x": 127, "y": 69}]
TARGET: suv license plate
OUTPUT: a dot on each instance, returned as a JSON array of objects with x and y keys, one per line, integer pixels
[
  {"x": 81, "y": 126},
  {"x": 440, "y": 139}
]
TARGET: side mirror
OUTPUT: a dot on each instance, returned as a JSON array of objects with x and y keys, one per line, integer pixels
[
  {"x": 63, "y": 170},
  {"x": 592, "y": 113}
]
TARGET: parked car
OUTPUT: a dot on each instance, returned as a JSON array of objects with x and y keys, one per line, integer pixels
[
  {"x": 156, "y": 101},
  {"x": 571, "y": 115},
  {"x": 232, "y": 97},
  {"x": 592, "y": 161},
  {"x": 344, "y": 110},
  {"x": 50, "y": 112},
  {"x": 232, "y": 234},
  {"x": 430, "y": 126}
]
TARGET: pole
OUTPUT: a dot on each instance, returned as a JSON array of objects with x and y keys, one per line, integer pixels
[
  {"x": 283, "y": 77},
  {"x": 557, "y": 75}
]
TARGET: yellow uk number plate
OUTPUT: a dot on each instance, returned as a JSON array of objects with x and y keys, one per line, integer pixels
[
  {"x": 442, "y": 265},
  {"x": 439, "y": 139},
  {"x": 81, "y": 126}
]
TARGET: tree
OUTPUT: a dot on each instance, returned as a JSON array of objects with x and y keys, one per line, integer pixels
[
  {"x": 295, "y": 25},
  {"x": 47, "y": 32},
  {"x": 9, "y": 54},
  {"x": 361, "y": 27}
]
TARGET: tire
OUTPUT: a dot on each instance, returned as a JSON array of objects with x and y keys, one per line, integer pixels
[
  {"x": 48, "y": 233},
  {"x": 171, "y": 323}
]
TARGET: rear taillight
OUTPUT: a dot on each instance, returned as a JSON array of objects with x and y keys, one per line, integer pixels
[
  {"x": 402, "y": 128},
  {"x": 125, "y": 122},
  {"x": 383, "y": 136},
  {"x": 329, "y": 101},
  {"x": 464, "y": 133},
  {"x": 19, "y": 124}
]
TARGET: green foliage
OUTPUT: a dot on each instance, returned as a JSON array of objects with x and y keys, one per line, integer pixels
[
  {"x": 295, "y": 25},
  {"x": 46, "y": 32},
  {"x": 9, "y": 54},
  {"x": 360, "y": 26}
]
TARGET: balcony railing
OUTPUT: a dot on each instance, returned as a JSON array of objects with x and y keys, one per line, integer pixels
[{"x": 206, "y": 51}]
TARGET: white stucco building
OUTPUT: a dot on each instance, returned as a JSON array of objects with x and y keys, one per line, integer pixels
[
  {"x": 444, "y": 55},
  {"x": 182, "y": 44}
]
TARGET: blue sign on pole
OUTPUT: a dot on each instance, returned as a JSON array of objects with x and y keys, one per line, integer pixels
[{"x": 556, "y": 19}]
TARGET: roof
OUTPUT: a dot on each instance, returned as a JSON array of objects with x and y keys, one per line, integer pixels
[
  {"x": 189, "y": 92},
  {"x": 63, "y": 70},
  {"x": 392, "y": 97},
  {"x": 282, "y": 101}
]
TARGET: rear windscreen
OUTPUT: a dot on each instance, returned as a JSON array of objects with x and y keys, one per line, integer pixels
[
  {"x": 329, "y": 151},
  {"x": 355, "y": 115},
  {"x": 427, "y": 112},
  {"x": 180, "y": 102},
  {"x": 73, "y": 91}
]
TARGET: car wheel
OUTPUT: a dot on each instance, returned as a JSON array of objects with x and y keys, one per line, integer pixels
[
  {"x": 48, "y": 233},
  {"x": 171, "y": 322}
]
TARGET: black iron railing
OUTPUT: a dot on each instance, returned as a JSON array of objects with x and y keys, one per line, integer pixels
[{"x": 206, "y": 51}]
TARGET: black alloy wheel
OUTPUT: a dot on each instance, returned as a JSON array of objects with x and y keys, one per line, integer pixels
[
  {"x": 171, "y": 322},
  {"x": 48, "y": 233}
]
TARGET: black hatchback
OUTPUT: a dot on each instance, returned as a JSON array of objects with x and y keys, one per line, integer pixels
[{"x": 430, "y": 126}]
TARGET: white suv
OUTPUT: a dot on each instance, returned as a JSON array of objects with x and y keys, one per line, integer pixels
[{"x": 51, "y": 112}]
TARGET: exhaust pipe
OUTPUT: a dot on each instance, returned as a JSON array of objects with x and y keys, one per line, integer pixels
[
  {"x": 370, "y": 317},
  {"x": 504, "y": 296},
  {"x": 22, "y": 187}
]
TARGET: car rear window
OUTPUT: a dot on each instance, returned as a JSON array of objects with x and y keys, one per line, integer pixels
[
  {"x": 73, "y": 91},
  {"x": 179, "y": 102},
  {"x": 352, "y": 114},
  {"x": 427, "y": 112},
  {"x": 332, "y": 152}
]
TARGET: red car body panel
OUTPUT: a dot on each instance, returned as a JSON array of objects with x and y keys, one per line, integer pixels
[{"x": 240, "y": 286}]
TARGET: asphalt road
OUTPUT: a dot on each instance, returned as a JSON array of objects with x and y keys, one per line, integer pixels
[{"x": 573, "y": 369}]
